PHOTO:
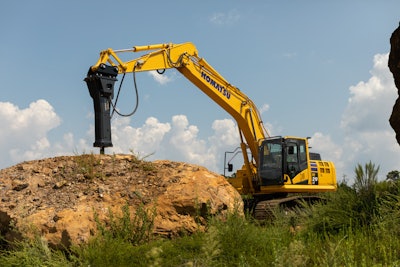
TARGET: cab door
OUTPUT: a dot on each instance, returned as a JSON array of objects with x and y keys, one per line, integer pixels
[
  {"x": 295, "y": 154},
  {"x": 271, "y": 162}
]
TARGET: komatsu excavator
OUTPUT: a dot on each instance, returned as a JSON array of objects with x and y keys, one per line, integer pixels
[{"x": 273, "y": 166}]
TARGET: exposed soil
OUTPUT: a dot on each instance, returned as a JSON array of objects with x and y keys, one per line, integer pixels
[{"x": 59, "y": 196}]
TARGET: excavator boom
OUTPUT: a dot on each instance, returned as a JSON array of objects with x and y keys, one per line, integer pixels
[
  {"x": 184, "y": 58},
  {"x": 277, "y": 164}
]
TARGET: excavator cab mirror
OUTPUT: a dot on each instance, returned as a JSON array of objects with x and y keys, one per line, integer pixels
[
  {"x": 230, "y": 167},
  {"x": 101, "y": 88}
]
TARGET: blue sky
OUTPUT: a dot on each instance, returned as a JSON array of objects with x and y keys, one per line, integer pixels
[{"x": 315, "y": 68}]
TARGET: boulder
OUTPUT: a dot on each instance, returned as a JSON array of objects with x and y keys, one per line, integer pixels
[{"x": 58, "y": 198}]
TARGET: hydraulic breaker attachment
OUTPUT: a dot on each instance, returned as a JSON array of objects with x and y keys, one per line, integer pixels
[{"x": 101, "y": 88}]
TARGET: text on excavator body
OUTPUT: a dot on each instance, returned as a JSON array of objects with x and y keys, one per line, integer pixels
[{"x": 216, "y": 85}]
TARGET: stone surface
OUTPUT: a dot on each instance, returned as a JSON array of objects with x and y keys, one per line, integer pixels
[
  {"x": 58, "y": 197},
  {"x": 394, "y": 66}
]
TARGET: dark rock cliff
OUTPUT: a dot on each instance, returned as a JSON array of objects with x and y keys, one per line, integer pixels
[{"x": 394, "y": 66}]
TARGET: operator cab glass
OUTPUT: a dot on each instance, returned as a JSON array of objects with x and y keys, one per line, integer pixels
[
  {"x": 271, "y": 162},
  {"x": 279, "y": 156}
]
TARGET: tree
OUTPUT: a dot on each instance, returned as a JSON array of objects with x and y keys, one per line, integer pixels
[
  {"x": 367, "y": 178},
  {"x": 393, "y": 182},
  {"x": 393, "y": 176},
  {"x": 365, "y": 186}
]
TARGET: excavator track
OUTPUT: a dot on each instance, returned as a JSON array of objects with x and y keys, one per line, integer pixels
[{"x": 266, "y": 209}]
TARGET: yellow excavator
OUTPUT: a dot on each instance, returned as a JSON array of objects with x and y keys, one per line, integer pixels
[{"x": 277, "y": 171}]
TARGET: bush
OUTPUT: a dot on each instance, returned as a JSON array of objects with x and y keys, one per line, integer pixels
[
  {"x": 118, "y": 238},
  {"x": 135, "y": 229},
  {"x": 34, "y": 253}
]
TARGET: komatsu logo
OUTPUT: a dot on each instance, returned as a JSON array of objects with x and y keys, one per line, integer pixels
[{"x": 216, "y": 85}]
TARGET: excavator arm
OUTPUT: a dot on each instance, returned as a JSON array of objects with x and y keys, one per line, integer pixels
[
  {"x": 184, "y": 58},
  {"x": 278, "y": 165}
]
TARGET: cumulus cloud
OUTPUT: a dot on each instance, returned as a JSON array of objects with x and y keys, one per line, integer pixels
[
  {"x": 25, "y": 137},
  {"x": 142, "y": 141},
  {"x": 328, "y": 149},
  {"x": 368, "y": 135},
  {"x": 186, "y": 143},
  {"x": 370, "y": 103},
  {"x": 176, "y": 140},
  {"x": 37, "y": 119},
  {"x": 24, "y": 134},
  {"x": 24, "y": 131},
  {"x": 225, "y": 133}
]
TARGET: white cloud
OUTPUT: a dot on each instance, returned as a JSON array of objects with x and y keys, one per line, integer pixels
[
  {"x": 371, "y": 102},
  {"x": 39, "y": 117},
  {"x": 177, "y": 140},
  {"x": 24, "y": 131},
  {"x": 328, "y": 149},
  {"x": 368, "y": 135},
  {"x": 142, "y": 141},
  {"x": 264, "y": 108},
  {"x": 225, "y": 18},
  {"x": 225, "y": 133},
  {"x": 25, "y": 138},
  {"x": 185, "y": 142},
  {"x": 160, "y": 78}
]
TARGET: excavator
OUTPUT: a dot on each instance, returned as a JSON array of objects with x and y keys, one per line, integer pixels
[{"x": 277, "y": 171}]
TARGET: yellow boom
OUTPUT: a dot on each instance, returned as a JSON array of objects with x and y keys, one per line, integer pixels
[{"x": 277, "y": 165}]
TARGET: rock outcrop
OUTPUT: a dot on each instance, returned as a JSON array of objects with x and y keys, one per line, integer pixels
[
  {"x": 394, "y": 66},
  {"x": 58, "y": 197}
]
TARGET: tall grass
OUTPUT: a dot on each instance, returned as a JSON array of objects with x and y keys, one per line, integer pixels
[
  {"x": 35, "y": 252},
  {"x": 119, "y": 238}
]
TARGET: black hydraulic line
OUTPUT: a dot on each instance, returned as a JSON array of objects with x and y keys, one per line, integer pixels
[
  {"x": 137, "y": 98},
  {"x": 116, "y": 98},
  {"x": 161, "y": 71}
]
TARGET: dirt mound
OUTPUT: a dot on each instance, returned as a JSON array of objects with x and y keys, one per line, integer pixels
[{"x": 59, "y": 196}]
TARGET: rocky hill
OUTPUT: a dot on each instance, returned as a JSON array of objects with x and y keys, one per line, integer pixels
[{"x": 58, "y": 197}]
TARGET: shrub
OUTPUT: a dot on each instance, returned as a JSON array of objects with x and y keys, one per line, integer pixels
[
  {"x": 135, "y": 229},
  {"x": 35, "y": 252}
]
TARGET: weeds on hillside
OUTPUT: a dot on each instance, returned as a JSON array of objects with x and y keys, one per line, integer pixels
[
  {"x": 118, "y": 238},
  {"x": 35, "y": 252},
  {"x": 87, "y": 166},
  {"x": 135, "y": 229},
  {"x": 140, "y": 161}
]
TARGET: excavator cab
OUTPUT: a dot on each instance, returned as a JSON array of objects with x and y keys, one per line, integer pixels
[
  {"x": 281, "y": 160},
  {"x": 270, "y": 169}
]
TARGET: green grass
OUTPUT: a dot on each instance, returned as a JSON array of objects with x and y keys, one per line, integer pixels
[
  {"x": 238, "y": 241},
  {"x": 35, "y": 253}
]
